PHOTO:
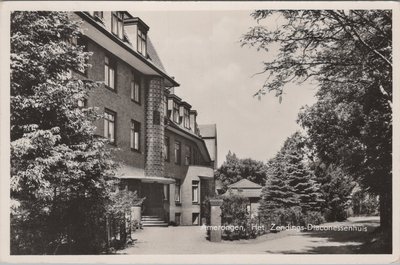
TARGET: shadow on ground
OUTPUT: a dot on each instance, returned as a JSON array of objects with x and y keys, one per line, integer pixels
[{"x": 339, "y": 242}]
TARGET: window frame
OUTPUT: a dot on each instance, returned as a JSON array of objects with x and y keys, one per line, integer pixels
[
  {"x": 186, "y": 118},
  {"x": 166, "y": 149},
  {"x": 135, "y": 130},
  {"x": 166, "y": 191},
  {"x": 118, "y": 18},
  {"x": 136, "y": 88},
  {"x": 188, "y": 155},
  {"x": 195, "y": 186},
  {"x": 141, "y": 41},
  {"x": 110, "y": 65},
  {"x": 178, "y": 191},
  {"x": 177, "y": 152},
  {"x": 175, "y": 112},
  {"x": 106, "y": 125},
  {"x": 98, "y": 14}
]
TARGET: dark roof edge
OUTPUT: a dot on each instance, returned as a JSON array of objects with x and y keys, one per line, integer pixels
[
  {"x": 173, "y": 125},
  {"x": 123, "y": 45}
]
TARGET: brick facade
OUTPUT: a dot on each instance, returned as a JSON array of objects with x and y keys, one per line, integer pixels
[{"x": 150, "y": 113}]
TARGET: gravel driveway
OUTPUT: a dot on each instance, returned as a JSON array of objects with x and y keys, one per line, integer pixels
[{"x": 192, "y": 240}]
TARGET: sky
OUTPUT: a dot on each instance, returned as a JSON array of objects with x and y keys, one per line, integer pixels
[{"x": 201, "y": 50}]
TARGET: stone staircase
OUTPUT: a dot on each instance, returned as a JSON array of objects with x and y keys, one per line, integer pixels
[{"x": 153, "y": 221}]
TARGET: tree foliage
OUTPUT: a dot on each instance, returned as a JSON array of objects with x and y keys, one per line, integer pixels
[
  {"x": 235, "y": 169},
  {"x": 349, "y": 54},
  {"x": 331, "y": 46},
  {"x": 291, "y": 182},
  {"x": 61, "y": 173}
]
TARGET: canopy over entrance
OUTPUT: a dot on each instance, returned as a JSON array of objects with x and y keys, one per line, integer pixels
[{"x": 129, "y": 172}]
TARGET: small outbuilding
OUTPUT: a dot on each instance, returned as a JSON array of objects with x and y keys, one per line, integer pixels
[{"x": 248, "y": 189}]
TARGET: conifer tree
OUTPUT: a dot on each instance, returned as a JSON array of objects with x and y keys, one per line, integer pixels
[{"x": 291, "y": 183}]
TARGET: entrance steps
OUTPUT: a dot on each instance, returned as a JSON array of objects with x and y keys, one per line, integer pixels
[{"x": 153, "y": 221}]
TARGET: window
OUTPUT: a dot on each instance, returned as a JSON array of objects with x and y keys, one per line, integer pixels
[
  {"x": 176, "y": 112},
  {"x": 177, "y": 190},
  {"x": 195, "y": 218},
  {"x": 98, "y": 14},
  {"x": 166, "y": 149},
  {"x": 166, "y": 192},
  {"x": 109, "y": 126},
  {"x": 165, "y": 106},
  {"x": 135, "y": 88},
  {"x": 117, "y": 24},
  {"x": 188, "y": 155},
  {"x": 186, "y": 118},
  {"x": 109, "y": 73},
  {"x": 135, "y": 135},
  {"x": 195, "y": 191},
  {"x": 177, "y": 152},
  {"x": 141, "y": 42},
  {"x": 177, "y": 218}
]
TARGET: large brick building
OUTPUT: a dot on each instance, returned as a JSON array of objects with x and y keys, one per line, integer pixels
[{"x": 162, "y": 153}]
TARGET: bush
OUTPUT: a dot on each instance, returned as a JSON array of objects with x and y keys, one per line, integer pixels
[
  {"x": 234, "y": 215},
  {"x": 312, "y": 217},
  {"x": 292, "y": 216}
]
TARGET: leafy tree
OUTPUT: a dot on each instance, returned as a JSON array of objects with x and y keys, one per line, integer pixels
[
  {"x": 60, "y": 171},
  {"x": 349, "y": 54},
  {"x": 336, "y": 188},
  {"x": 235, "y": 169}
]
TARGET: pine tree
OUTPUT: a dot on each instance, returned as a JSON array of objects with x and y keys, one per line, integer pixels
[
  {"x": 301, "y": 178},
  {"x": 291, "y": 184},
  {"x": 60, "y": 171}
]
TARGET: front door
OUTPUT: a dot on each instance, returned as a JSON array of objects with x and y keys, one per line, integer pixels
[{"x": 153, "y": 204}]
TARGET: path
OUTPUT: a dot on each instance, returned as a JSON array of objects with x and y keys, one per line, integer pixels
[{"x": 192, "y": 240}]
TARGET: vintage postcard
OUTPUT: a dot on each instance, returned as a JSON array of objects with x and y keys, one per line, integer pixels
[{"x": 199, "y": 132}]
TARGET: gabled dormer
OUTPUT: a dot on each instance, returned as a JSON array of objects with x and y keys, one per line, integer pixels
[
  {"x": 137, "y": 31},
  {"x": 173, "y": 108}
]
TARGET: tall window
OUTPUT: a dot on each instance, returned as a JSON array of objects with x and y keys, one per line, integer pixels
[
  {"x": 166, "y": 149},
  {"x": 165, "y": 106},
  {"x": 166, "y": 192},
  {"x": 176, "y": 112},
  {"x": 141, "y": 42},
  {"x": 195, "y": 191},
  {"x": 109, "y": 125},
  {"x": 177, "y": 190},
  {"x": 135, "y": 135},
  {"x": 186, "y": 118},
  {"x": 177, "y": 152},
  {"x": 109, "y": 73},
  {"x": 188, "y": 155},
  {"x": 135, "y": 88},
  {"x": 117, "y": 24}
]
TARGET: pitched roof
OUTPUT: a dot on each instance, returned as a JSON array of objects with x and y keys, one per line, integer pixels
[
  {"x": 153, "y": 55},
  {"x": 249, "y": 193},
  {"x": 208, "y": 130},
  {"x": 245, "y": 184}
]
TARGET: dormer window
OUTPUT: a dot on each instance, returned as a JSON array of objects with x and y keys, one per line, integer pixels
[
  {"x": 186, "y": 118},
  {"x": 117, "y": 24},
  {"x": 141, "y": 42},
  {"x": 175, "y": 112},
  {"x": 98, "y": 14}
]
